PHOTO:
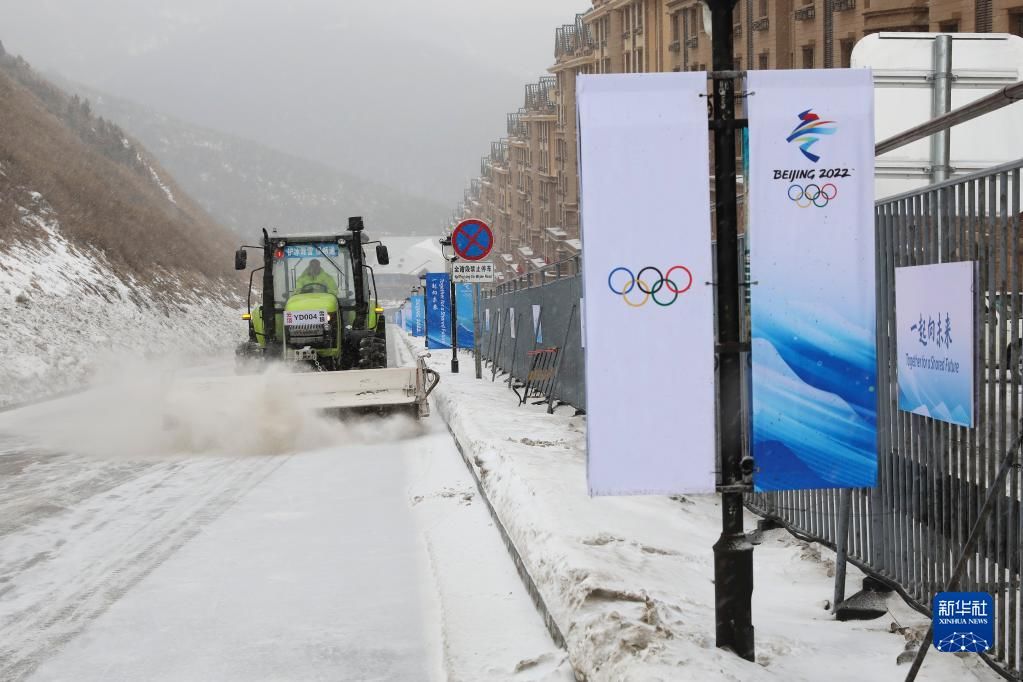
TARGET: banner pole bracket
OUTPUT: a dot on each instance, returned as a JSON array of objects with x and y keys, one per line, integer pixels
[
  {"x": 736, "y": 488},
  {"x": 727, "y": 124},
  {"x": 732, "y": 348}
]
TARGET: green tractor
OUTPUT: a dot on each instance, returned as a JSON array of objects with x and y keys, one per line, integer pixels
[
  {"x": 326, "y": 318},
  {"x": 323, "y": 294}
]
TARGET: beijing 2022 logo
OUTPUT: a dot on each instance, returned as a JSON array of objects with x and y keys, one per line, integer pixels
[
  {"x": 811, "y": 186},
  {"x": 622, "y": 282},
  {"x": 809, "y": 132}
]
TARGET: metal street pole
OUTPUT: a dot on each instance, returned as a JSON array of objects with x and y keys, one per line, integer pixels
[
  {"x": 454, "y": 320},
  {"x": 476, "y": 329},
  {"x": 733, "y": 552}
]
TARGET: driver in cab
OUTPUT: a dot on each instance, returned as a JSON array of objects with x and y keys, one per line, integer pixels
[{"x": 316, "y": 279}]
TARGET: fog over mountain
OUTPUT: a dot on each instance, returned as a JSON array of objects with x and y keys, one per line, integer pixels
[{"x": 400, "y": 92}]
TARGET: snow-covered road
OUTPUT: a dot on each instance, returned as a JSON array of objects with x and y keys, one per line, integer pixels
[{"x": 366, "y": 558}]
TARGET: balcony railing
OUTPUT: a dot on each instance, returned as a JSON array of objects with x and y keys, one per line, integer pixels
[
  {"x": 805, "y": 13},
  {"x": 843, "y": 5},
  {"x": 692, "y": 41},
  {"x": 762, "y": 24},
  {"x": 674, "y": 46}
]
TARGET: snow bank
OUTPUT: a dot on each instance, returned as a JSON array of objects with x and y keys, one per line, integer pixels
[
  {"x": 66, "y": 313},
  {"x": 630, "y": 580}
]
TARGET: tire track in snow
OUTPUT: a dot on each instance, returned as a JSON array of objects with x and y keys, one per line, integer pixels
[{"x": 112, "y": 543}]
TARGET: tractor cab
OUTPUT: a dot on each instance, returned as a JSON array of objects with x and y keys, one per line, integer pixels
[{"x": 323, "y": 296}]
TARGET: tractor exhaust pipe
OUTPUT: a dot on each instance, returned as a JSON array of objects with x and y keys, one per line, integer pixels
[{"x": 269, "y": 310}]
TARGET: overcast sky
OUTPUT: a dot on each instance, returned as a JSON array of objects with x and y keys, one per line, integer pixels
[{"x": 368, "y": 86}]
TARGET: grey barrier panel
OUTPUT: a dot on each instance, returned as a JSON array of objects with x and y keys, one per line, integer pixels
[
  {"x": 933, "y": 476},
  {"x": 555, "y": 299}
]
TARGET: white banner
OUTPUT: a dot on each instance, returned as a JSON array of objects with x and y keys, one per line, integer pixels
[
  {"x": 934, "y": 342},
  {"x": 811, "y": 209},
  {"x": 649, "y": 332}
]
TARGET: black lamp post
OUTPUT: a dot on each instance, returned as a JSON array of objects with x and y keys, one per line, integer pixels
[{"x": 733, "y": 552}]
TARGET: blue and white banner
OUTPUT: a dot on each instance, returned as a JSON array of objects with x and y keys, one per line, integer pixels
[
  {"x": 537, "y": 324},
  {"x": 417, "y": 314},
  {"x": 463, "y": 301},
  {"x": 934, "y": 341},
  {"x": 438, "y": 310},
  {"x": 649, "y": 316},
  {"x": 811, "y": 217}
]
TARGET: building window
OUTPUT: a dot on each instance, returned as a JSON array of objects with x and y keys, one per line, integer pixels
[
  {"x": 628, "y": 62},
  {"x": 628, "y": 19},
  {"x": 738, "y": 63},
  {"x": 847, "y": 48},
  {"x": 763, "y": 61},
  {"x": 638, "y": 22},
  {"x": 808, "y": 57},
  {"x": 953, "y": 26},
  {"x": 674, "y": 26},
  {"x": 763, "y": 8},
  {"x": 1015, "y": 23},
  {"x": 639, "y": 60}
]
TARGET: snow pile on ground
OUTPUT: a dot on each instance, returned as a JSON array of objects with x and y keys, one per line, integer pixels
[
  {"x": 67, "y": 313},
  {"x": 630, "y": 580}
]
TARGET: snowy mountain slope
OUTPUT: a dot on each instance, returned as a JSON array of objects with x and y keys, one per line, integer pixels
[
  {"x": 246, "y": 185},
  {"x": 67, "y": 312},
  {"x": 109, "y": 191},
  {"x": 102, "y": 256}
]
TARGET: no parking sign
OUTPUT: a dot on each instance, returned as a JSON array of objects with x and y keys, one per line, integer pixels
[{"x": 472, "y": 239}]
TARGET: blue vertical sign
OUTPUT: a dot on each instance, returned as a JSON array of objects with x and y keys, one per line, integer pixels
[
  {"x": 463, "y": 299},
  {"x": 438, "y": 310},
  {"x": 418, "y": 316}
]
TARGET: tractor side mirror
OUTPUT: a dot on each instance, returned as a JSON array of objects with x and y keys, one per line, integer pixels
[
  {"x": 382, "y": 256},
  {"x": 241, "y": 257}
]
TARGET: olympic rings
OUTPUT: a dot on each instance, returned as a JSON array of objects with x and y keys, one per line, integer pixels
[
  {"x": 648, "y": 291},
  {"x": 817, "y": 195}
]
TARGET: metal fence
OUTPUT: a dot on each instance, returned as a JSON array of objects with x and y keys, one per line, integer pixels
[
  {"x": 933, "y": 476},
  {"x": 557, "y": 290}
]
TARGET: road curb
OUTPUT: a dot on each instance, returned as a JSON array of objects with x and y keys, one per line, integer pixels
[{"x": 557, "y": 636}]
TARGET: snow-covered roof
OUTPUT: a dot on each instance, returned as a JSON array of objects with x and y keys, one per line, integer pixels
[
  {"x": 409, "y": 256},
  {"x": 538, "y": 263},
  {"x": 575, "y": 244},
  {"x": 526, "y": 251},
  {"x": 557, "y": 232}
]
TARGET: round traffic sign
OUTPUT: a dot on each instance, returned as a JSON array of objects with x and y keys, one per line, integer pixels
[{"x": 472, "y": 239}]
